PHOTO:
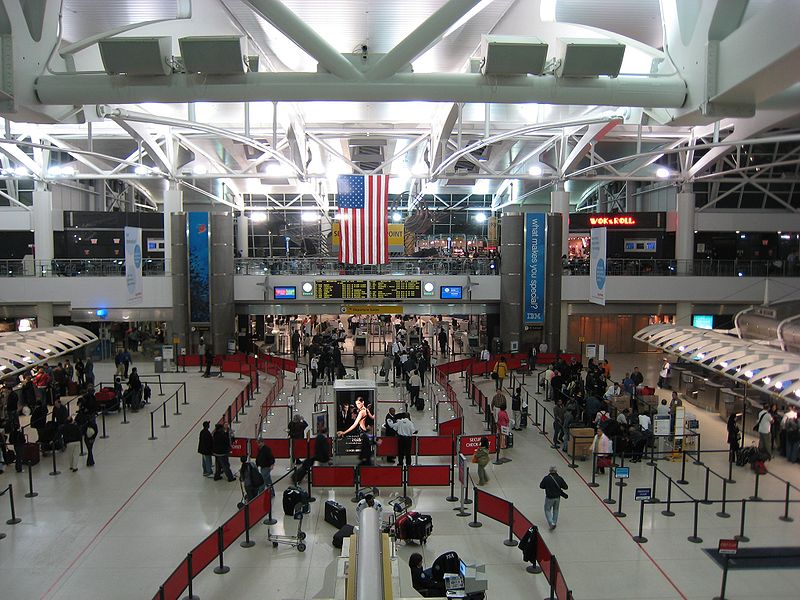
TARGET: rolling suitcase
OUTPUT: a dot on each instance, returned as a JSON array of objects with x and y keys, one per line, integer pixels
[
  {"x": 30, "y": 453},
  {"x": 335, "y": 514},
  {"x": 292, "y": 496},
  {"x": 420, "y": 403},
  {"x": 302, "y": 470},
  {"x": 420, "y": 527},
  {"x": 344, "y": 532}
]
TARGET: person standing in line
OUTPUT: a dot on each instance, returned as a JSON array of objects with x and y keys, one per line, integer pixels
[
  {"x": 500, "y": 370},
  {"x": 414, "y": 383},
  {"x": 553, "y": 485},
  {"x": 205, "y": 448},
  {"x": 71, "y": 434},
  {"x": 88, "y": 371},
  {"x": 209, "y": 359},
  {"x": 485, "y": 358},
  {"x": 265, "y": 461},
  {"x": 498, "y": 402},
  {"x": 221, "y": 441},
  {"x": 313, "y": 366},
  {"x": 251, "y": 479},
  {"x": 764, "y": 427},
  {"x": 503, "y": 422},
  {"x": 80, "y": 371},
  {"x": 69, "y": 371},
  {"x": 405, "y": 432},
  {"x": 442, "y": 341},
  {"x": 481, "y": 458},
  {"x": 388, "y": 431},
  {"x": 126, "y": 361},
  {"x": 89, "y": 436},
  {"x": 733, "y": 437},
  {"x": 516, "y": 408}
]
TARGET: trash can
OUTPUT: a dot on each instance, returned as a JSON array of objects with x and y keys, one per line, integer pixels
[{"x": 158, "y": 365}]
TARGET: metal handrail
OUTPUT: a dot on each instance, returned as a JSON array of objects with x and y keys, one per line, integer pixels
[
  {"x": 78, "y": 267},
  {"x": 395, "y": 266},
  {"x": 669, "y": 267}
]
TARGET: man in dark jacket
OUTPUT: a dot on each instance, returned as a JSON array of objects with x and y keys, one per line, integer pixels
[
  {"x": 205, "y": 447},
  {"x": 322, "y": 453},
  {"x": 60, "y": 413},
  {"x": 221, "y": 448},
  {"x": 71, "y": 434},
  {"x": 265, "y": 461},
  {"x": 553, "y": 486}
]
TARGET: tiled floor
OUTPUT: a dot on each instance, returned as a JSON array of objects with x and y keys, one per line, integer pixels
[{"x": 117, "y": 530}]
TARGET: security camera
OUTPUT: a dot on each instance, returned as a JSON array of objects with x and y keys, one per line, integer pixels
[{"x": 364, "y": 52}]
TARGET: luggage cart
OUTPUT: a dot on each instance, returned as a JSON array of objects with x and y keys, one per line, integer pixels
[{"x": 295, "y": 541}]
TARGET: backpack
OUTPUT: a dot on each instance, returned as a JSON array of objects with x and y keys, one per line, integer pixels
[
  {"x": 147, "y": 393},
  {"x": 791, "y": 426},
  {"x": 256, "y": 480}
]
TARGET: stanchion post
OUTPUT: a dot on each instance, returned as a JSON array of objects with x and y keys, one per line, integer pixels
[
  {"x": 705, "y": 499},
  {"x": 55, "y": 470},
  {"x": 655, "y": 481},
  {"x": 668, "y": 511},
  {"x": 785, "y": 516},
  {"x": 190, "y": 574},
  {"x": 742, "y": 537},
  {"x": 640, "y": 539},
  {"x": 164, "y": 411},
  {"x": 682, "y": 480},
  {"x": 544, "y": 423},
  {"x": 721, "y": 596},
  {"x": 14, "y": 518},
  {"x": 755, "y": 497},
  {"x": 31, "y": 493},
  {"x": 103, "y": 420},
  {"x": 511, "y": 542},
  {"x": 247, "y": 543},
  {"x": 573, "y": 464},
  {"x": 221, "y": 569},
  {"x": 183, "y": 387},
  {"x": 652, "y": 461},
  {"x": 697, "y": 460},
  {"x": 593, "y": 483},
  {"x": 270, "y": 520},
  {"x": 160, "y": 387},
  {"x": 694, "y": 538},
  {"x": 152, "y": 427},
  {"x": 552, "y": 579},
  {"x": 124, "y": 413},
  {"x": 621, "y": 482},
  {"x": 608, "y": 499},
  {"x": 618, "y": 513},
  {"x": 730, "y": 471},
  {"x": 177, "y": 405},
  {"x": 535, "y": 422},
  {"x": 475, "y": 522},
  {"x": 722, "y": 514}
]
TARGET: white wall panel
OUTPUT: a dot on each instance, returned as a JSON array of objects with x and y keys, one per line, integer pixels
[{"x": 85, "y": 292}]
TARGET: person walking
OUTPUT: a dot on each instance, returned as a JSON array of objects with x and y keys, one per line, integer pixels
[
  {"x": 405, "y": 432},
  {"x": 209, "y": 360},
  {"x": 205, "y": 448},
  {"x": 553, "y": 485},
  {"x": 251, "y": 479},
  {"x": 221, "y": 447},
  {"x": 80, "y": 373},
  {"x": 500, "y": 372},
  {"x": 482, "y": 458},
  {"x": 414, "y": 384},
  {"x": 516, "y": 408},
  {"x": 764, "y": 427},
  {"x": 89, "y": 429},
  {"x": 265, "y": 461},
  {"x": 71, "y": 435}
]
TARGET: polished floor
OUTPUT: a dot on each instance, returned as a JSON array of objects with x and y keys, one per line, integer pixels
[{"x": 118, "y": 529}]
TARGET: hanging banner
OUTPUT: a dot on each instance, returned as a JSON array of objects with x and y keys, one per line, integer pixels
[
  {"x": 199, "y": 289},
  {"x": 133, "y": 265},
  {"x": 491, "y": 231},
  {"x": 597, "y": 266},
  {"x": 535, "y": 248},
  {"x": 396, "y": 238}
]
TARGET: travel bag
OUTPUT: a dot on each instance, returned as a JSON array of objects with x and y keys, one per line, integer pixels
[
  {"x": 292, "y": 496},
  {"x": 344, "y": 532},
  {"x": 335, "y": 514}
]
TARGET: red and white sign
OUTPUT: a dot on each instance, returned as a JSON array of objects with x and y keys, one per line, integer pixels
[
  {"x": 613, "y": 221},
  {"x": 728, "y": 547},
  {"x": 239, "y": 447},
  {"x": 468, "y": 444}
]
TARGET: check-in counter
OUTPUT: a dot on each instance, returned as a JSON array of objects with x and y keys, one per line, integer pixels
[
  {"x": 730, "y": 402},
  {"x": 706, "y": 394},
  {"x": 686, "y": 382}
]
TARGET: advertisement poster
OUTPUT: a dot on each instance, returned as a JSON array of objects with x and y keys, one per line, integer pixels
[
  {"x": 597, "y": 267},
  {"x": 199, "y": 288},
  {"x": 133, "y": 265},
  {"x": 355, "y": 422},
  {"x": 534, "y": 268}
]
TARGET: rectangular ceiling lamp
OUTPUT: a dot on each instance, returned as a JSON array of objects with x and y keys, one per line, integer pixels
[
  {"x": 590, "y": 57},
  {"x": 136, "y": 55},
  {"x": 213, "y": 55},
  {"x": 513, "y": 55}
]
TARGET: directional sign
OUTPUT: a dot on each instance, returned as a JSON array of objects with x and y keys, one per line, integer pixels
[
  {"x": 728, "y": 547},
  {"x": 622, "y": 472},
  {"x": 643, "y": 494}
]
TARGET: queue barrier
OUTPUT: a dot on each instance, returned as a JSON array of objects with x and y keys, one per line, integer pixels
[
  {"x": 428, "y": 475},
  {"x": 371, "y": 476},
  {"x": 437, "y": 445},
  {"x": 329, "y": 477},
  {"x": 451, "y": 427}
]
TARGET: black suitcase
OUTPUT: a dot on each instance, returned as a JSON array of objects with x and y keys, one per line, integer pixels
[
  {"x": 302, "y": 470},
  {"x": 420, "y": 403},
  {"x": 335, "y": 514},
  {"x": 30, "y": 453},
  {"x": 523, "y": 419},
  {"x": 293, "y": 496},
  {"x": 419, "y": 527},
  {"x": 338, "y": 538}
]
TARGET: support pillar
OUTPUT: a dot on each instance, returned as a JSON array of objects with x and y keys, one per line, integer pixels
[
  {"x": 553, "y": 273},
  {"x": 242, "y": 237},
  {"x": 42, "y": 223},
  {"x": 684, "y": 234},
  {"x": 602, "y": 200},
  {"x": 511, "y": 280},
  {"x": 630, "y": 199},
  {"x": 173, "y": 203},
  {"x": 683, "y": 313},
  {"x": 44, "y": 314},
  {"x": 223, "y": 313},
  {"x": 564, "y": 327},
  {"x": 178, "y": 328},
  {"x": 559, "y": 202}
]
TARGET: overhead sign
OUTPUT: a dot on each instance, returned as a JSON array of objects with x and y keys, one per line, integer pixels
[
  {"x": 597, "y": 267},
  {"x": 535, "y": 252},
  {"x": 367, "y": 309},
  {"x": 729, "y": 547},
  {"x": 643, "y": 494},
  {"x": 638, "y": 221},
  {"x": 395, "y": 288},
  {"x": 338, "y": 289},
  {"x": 133, "y": 265}
]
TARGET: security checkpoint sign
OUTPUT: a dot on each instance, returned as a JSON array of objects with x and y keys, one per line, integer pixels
[
  {"x": 728, "y": 547},
  {"x": 643, "y": 494},
  {"x": 468, "y": 444}
]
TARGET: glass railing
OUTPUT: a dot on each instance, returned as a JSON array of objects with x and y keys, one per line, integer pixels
[
  {"x": 95, "y": 267},
  {"x": 633, "y": 267},
  {"x": 396, "y": 266}
]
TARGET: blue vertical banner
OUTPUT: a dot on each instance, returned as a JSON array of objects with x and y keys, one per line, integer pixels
[
  {"x": 199, "y": 269},
  {"x": 133, "y": 265},
  {"x": 535, "y": 252}
]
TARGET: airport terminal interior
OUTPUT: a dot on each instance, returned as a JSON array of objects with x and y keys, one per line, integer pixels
[{"x": 361, "y": 300}]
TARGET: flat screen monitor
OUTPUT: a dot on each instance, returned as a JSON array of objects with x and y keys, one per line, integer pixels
[
  {"x": 285, "y": 292},
  {"x": 462, "y": 568},
  {"x": 450, "y": 292},
  {"x": 703, "y": 321}
]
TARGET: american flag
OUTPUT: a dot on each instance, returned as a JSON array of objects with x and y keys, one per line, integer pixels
[{"x": 363, "y": 219}]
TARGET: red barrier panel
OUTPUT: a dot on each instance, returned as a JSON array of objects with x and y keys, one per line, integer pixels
[
  {"x": 439, "y": 445},
  {"x": 279, "y": 446},
  {"x": 521, "y": 524},
  {"x": 230, "y": 366},
  {"x": 493, "y": 507},
  {"x": 381, "y": 476},
  {"x": 233, "y": 528},
  {"x": 300, "y": 448},
  {"x": 543, "y": 557},
  {"x": 451, "y": 427},
  {"x": 562, "y": 591},
  {"x": 468, "y": 444},
  {"x": 313, "y": 446},
  {"x": 422, "y": 475},
  {"x": 386, "y": 446},
  {"x": 259, "y": 506},
  {"x": 333, "y": 476},
  {"x": 176, "y": 583},
  {"x": 239, "y": 447},
  {"x": 204, "y": 553}
]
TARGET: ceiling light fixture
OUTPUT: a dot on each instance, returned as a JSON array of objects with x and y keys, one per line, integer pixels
[
  {"x": 480, "y": 218},
  {"x": 662, "y": 172},
  {"x": 258, "y": 217},
  {"x": 309, "y": 216},
  {"x": 535, "y": 171},
  {"x": 396, "y": 217}
]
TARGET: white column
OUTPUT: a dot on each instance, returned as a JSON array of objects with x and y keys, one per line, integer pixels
[
  {"x": 559, "y": 203},
  {"x": 44, "y": 314},
  {"x": 683, "y": 313},
  {"x": 42, "y": 223},
  {"x": 242, "y": 237},
  {"x": 564, "y": 327},
  {"x": 173, "y": 203},
  {"x": 684, "y": 235}
]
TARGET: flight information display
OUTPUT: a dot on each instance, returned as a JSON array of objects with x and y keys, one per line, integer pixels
[
  {"x": 395, "y": 288},
  {"x": 345, "y": 289}
]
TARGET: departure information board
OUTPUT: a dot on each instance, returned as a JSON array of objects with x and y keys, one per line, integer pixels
[
  {"x": 395, "y": 288},
  {"x": 347, "y": 289}
]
